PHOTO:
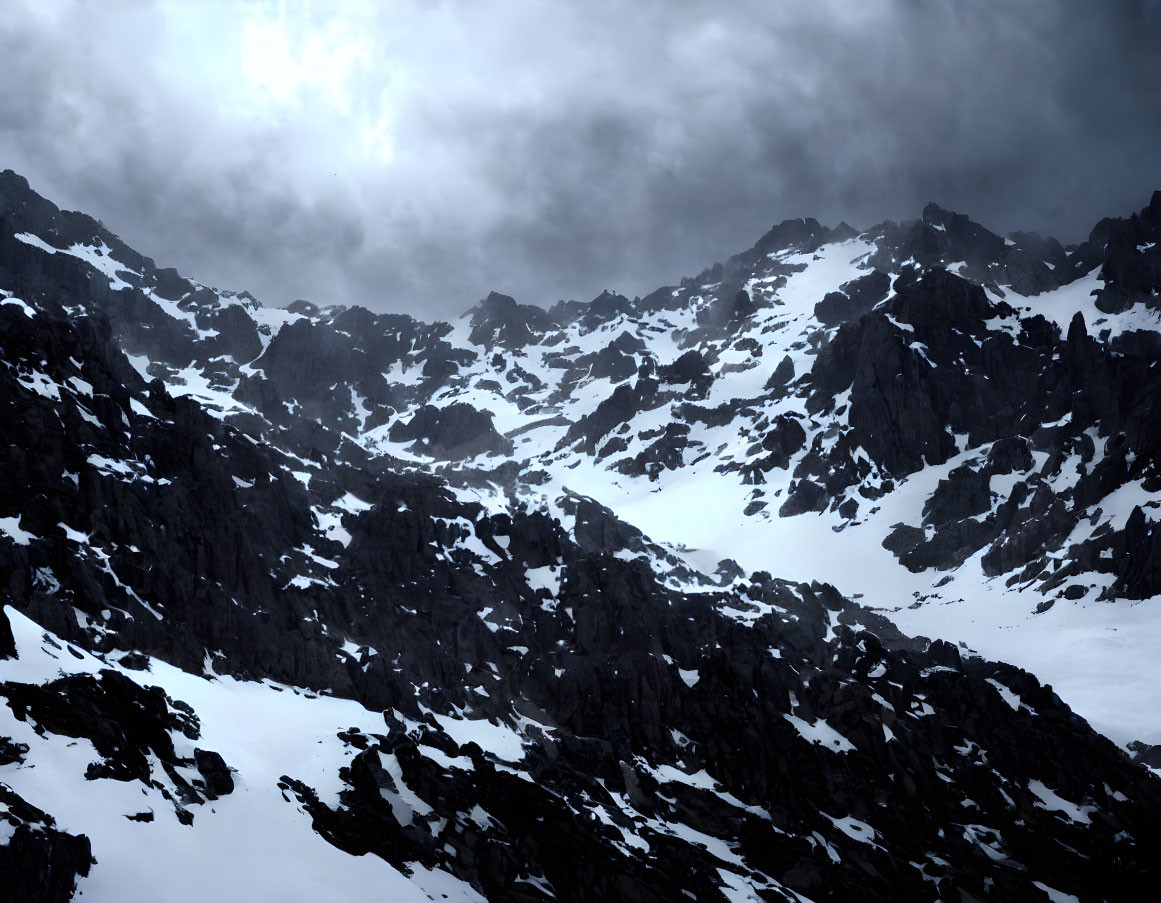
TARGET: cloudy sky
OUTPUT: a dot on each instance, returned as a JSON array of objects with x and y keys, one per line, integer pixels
[{"x": 413, "y": 155}]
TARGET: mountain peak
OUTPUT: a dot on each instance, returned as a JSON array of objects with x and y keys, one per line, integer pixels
[
  {"x": 938, "y": 216},
  {"x": 1154, "y": 207},
  {"x": 804, "y": 234},
  {"x": 13, "y": 181},
  {"x": 486, "y": 610}
]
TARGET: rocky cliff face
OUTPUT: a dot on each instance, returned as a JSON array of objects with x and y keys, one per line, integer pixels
[{"x": 351, "y": 606}]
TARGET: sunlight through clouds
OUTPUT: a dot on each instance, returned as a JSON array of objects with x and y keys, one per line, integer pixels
[
  {"x": 410, "y": 152},
  {"x": 297, "y": 56}
]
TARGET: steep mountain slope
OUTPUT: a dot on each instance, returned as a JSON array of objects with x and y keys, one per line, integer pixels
[{"x": 284, "y": 586}]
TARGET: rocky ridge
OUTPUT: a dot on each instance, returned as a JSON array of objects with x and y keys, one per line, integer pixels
[{"x": 327, "y": 507}]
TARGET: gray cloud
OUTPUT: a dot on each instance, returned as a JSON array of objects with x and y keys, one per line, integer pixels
[{"x": 427, "y": 152}]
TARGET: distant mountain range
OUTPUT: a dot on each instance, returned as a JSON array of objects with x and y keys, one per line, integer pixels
[{"x": 761, "y": 587}]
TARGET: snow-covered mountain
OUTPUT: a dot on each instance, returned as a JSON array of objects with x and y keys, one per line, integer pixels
[{"x": 702, "y": 594}]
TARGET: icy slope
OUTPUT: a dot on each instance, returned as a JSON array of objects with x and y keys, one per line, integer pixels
[{"x": 249, "y": 843}]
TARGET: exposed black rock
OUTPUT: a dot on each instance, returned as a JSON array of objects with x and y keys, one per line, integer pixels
[
  {"x": 498, "y": 321},
  {"x": 455, "y": 431},
  {"x": 853, "y": 299},
  {"x": 676, "y": 732},
  {"x": 217, "y": 776},
  {"x": 7, "y": 643},
  {"x": 39, "y": 863},
  {"x": 784, "y": 437},
  {"x": 1146, "y": 754},
  {"x": 626, "y": 401},
  {"x": 1129, "y": 255},
  {"x": 806, "y": 496},
  {"x": 124, "y": 721},
  {"x": 689, "y": 368},
  {"x": 617, "y": 361},
  {"x": 782, "y": 374},
  {"x": 943, "y": 238}
]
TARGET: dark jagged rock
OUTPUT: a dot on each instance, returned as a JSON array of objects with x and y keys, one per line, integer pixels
[
  {"x": 618, "y": 408},
  {"x": 1129, "y": 255},
  {"x": 1145, "y": 754},
  {"x": 853, "y": 299},
  {"x": 455, "y": 431},
  {"x": 7, "y": 643},
  {"x": 943, "y": 238},
  {"x": 784, "y": 437},
  {"x": 782, "y": 374},
  {"x": 806, "y": 496},
  {"x": 801, "y": 235},
  {"x": 217, "y": 776},
  {"x": 802, "y": 742},
  {"x": 124, "y": 722},
  {"x": 498, "y": 321},
  {"x": 617, "y": 361},
  {"x": 903, "y": 409},
  {"x": 690, "y": 367},
  {"x": 304, "y": 360},
  {"x": 607, "y": 306},
  {"x": 1010, "y": 455},
  {"x": 11, "y": 752},
  {"x": 893, "y": 411},
  {"x": 39, "y": 863},
  {"x": 727, "y": 312},
  {"x": 664, "y": 453},
  {"x": 965, "y": 493}
]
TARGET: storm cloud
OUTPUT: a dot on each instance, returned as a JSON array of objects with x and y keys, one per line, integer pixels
[{"x": 414, "y": 155}]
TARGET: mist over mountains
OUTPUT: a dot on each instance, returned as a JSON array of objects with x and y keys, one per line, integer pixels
[{"x": 411, "y": 156}]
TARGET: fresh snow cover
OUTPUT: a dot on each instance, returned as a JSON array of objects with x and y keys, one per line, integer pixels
[
  {"x": 272, "y": 319},
  {"x": 29, "y": 311},
  {"x": 1010, "y": 697},
  {"x": 252, "y": 844},
  {"x": 702, "y": 780},
  {"x": 821, "y": 733},
  {"x": 74, "y": 535},
  {"x": 36, "y": 241},
  {"x": 96, "y": 256},
  {"x": 1053, "y": 801},
  {"x": 174, "y": 310},
  {"x": 1098, "y": 656},
  {"x": 854, "y": 829},
  {"x": 352, "y": 504},
  {"x": 1056, "y": 896},
  {"x": 331, "y": 525},
  {"x": 10, "y": 527},
  {"x": 1060, "y": 305},
  {"x": 546, "y": 577},
  {"x": 500, "y": 740},
  {"x": 141, "y": 364},
  {"x": 737, "y": 889},
  {"x": 690, "y": 676},
  {"x": 217, "y": 401},
  {"x": 40, "y": 383}
]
